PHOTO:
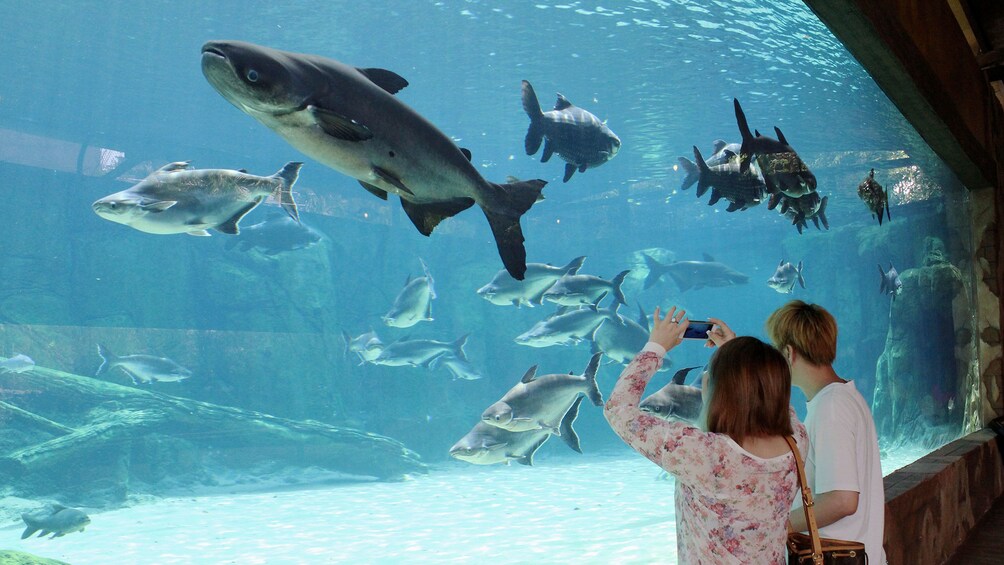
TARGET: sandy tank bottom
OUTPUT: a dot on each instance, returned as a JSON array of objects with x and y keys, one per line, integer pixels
[{"x": 593, "y": 509}]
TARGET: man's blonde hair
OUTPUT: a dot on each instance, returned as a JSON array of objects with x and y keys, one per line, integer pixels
[{"x": 808, "y": 328}]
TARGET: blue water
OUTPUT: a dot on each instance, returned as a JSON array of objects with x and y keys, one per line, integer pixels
[{"x": 98, "y": 94}]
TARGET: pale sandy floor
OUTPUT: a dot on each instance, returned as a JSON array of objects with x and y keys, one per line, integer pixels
[{"x": 591, "y": 509}]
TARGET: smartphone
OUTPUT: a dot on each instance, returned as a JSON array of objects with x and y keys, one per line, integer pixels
[{"x": 697, "y": 329}]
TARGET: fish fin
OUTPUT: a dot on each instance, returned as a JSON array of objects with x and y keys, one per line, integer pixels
[
  {"x": 707, "y": 257},
  {"x": 513, "y": 200},
  {"x": 387, "y": 80},
  {"x": 780, "y": 136},
  {"x": 174, "y": 167},
  {"x": 717, "y": 145},
  {"x": 467, "y": 153},
  {"x": 655, "y": 271},
  {"x": 774, "y": 200},
  {"x": 569, "y": 171},
  {"x": 529, "y": 375},
  {"x": 593, "y": 392},
  {"x": 887, "y": 214},
  {"x": 459, "y": 347},
  {"x": 108, "y": 358},
  {"x": 389, "y": 178},
  {"x": 733, "y": 206},
  {"x": 715, "y": 197},
  {"x": 691, "y": 173},
  {"x": 548, "y": 151},
  {"x": 427, "y": 216},
  {"x": 746, "y": 149},
  {"x": 378, "y": 192},
  {"x": 616, "y": 284},
  {"x": 156, "y": 206},
  {"x": 821, "y": 214},
  {"x": 561, "y": 103},
  {"x": 703, "y": 170},
  {"x": 428, "y": 278},
  {"x": 199, "y": 233},
  {"x": 583, "y": 167},
  {"x": 284, "y": 192},
  {"x": 574, "y": 265},
  {"x": 535, "y": 133},
  {"x": 230, "y": 226},
  {"x": 642, "y": 317},
  {"x": 568, "y": 434},
  {"x": 338, "y": 126},
  {"x": 683, "y": 283},
  {"x": 527, "y": 458},
  {"x": 538, "y": 298},
  {"x": 798, "y": 271}
]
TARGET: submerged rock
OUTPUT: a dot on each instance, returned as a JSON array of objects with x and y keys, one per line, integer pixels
[{"x": 10, "y": 557}]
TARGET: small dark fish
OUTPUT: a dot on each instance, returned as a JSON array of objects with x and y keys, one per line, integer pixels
[
  {"x": 890, "y": 282},
  {"x": 783, "y": 170},
  {"x": 278, "y": 233},
  {"x": 874, "y": 196},
  {"x": 56, "y": 520},
  {"x": 142, "y": 368},
  {"x": 742, "y": 190},
  {"x": 785, "y": 277},
  {"x": 804, "y": 208},
  {"x": 694, "y": 274},
  {"x": 578, "y": 137}
]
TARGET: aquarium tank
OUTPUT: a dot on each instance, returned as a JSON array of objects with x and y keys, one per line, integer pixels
[{"x": 255, "y": 300}]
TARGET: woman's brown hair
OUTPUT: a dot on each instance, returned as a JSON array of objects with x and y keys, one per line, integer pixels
[
  {"x": 808, "y": 328},
  {"x": 749, "y": 391}
]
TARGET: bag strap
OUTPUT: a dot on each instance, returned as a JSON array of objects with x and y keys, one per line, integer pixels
[{"x": 810, "y": 516}]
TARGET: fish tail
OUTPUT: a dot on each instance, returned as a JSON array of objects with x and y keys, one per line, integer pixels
[
  {"x": 31, "y": 528},
  {"x": 703, "y": 180},
  {"x": 348, "y": 342},
  {"x": 428, "y": 278},
  {"x": 821, "y": 214},
  {"x": 655, "y": 271},
  {"x": 692, "y": 173},
  {"x": 511, "y": 202},
  {"x": 107, "y": 359},
  {"x": 798, "y": 271},
  {"x": 284, "y": 194},
  {"x": 882, "y": 279},
  {"x": 567, "y": 433},
  {"x": 535, "y": 134},
  {"x": 617, "y": 282},
  {"x": 746, "y": 149},
  {"x": 593, "y": 392},
  {"x": 458, "y": 347}
]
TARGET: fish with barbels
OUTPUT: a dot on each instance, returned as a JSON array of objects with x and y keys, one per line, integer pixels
[
  {"x": 56, "y": 519},
  {"x": 458, "y": 367},
  {"x": 676, "y": 400},
  {"x": 178, "y": 199},
  {"x": 722, "y": 152},
  {"x": 693, "y": 274},
  {"x": 582, "y": 290},
  {"x": 782, "y": 169},
  {"x": 504, "y": 290},
  {"x": 418, "y": 352},
  {"x": 487, "y": 445},
  {"x": 414, "y": 303},
  {"x": 890, "y": 281},
  {"x": 621, "y": 340},
  {"x": 142, "y": 368},
  {"x": 804, "y": 208},
  {"x": 17, "y": 363},
  {"x": 366, "y": 346},
  {"x": 577, "y": 136},
  {"x": 785, "y": 277},
  {"x": 276, "y": 234},
  {"x": 349, "y": 119},
  {"x": 743, "y": 190},
  {"x": 568, "y": 327},
  {"x": 540, "y": 403},
  {"x": 875, "y": 197}
]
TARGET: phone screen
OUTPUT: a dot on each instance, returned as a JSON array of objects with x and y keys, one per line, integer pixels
[{"x": 697, "y": 330}]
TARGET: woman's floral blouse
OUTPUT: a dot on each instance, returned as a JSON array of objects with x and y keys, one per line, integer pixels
[{"x": 731, "y": 506}]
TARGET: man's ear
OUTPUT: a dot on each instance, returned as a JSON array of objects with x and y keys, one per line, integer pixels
[{"x": 790, "y": 354}]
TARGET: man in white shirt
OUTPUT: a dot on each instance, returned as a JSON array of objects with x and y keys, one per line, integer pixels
[{"x": 842, "y": 464}]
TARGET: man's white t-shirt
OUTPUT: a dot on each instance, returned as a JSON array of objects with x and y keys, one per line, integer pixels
[{"x": 844, "y": 455}]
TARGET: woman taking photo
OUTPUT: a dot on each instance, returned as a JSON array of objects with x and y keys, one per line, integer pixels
[{"x": 735, "y": 475}]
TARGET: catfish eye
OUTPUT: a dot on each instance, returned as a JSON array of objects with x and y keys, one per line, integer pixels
[
  {"x": 252, "y": 75},
  {"x": 113, "y": 205}
]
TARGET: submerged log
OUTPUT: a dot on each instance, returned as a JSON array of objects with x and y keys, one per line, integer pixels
[{"x": 97, "y": 442}]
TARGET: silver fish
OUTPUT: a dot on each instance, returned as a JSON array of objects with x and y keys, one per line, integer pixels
[
  {"x": 785, "y": 277},
  {"x": 459, "y": 368},
  {"x": 414, "y": 303},
  {"x": 277, "y": 234},
  {"x": 418, "y": 352},
  {"x": 675, "y": 400},
  {"x": 487, "y": 445},
  {"x": 177, "y": 199},
  {"x": 17, "y": 363},
  {"x": 578, "y": 137},
  {"x": 722, "y": 152},
  {"x": 890, "y": 283},
  {"x": 504, "y": 290},
  {"x": 541, "y": 402},
  {"x": 566, "y": 328},
  {"x": 582, "y": 290},
  {"x": 621, "y": 340},
  {"x": 693, "y": 274},
  {"x": 348, "y": 119},
  {"x": 366, "y": 346},
  {"x": 56, "y": 520},
  {"x": 142, "y": 368}
]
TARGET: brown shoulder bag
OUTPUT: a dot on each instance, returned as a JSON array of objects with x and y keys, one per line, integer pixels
[{"x": 804, "y": 549}]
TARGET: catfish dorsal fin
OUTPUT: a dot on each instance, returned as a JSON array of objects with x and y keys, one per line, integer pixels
[
  {"x": 530, "y": 374},
  {"x": 467, "y": 153},
  {"x": 708, "y": 258},
  {"x": 562, "y": 102},
  {"x": 780, "y": 136},
  {"x": 387, "y": 80}
]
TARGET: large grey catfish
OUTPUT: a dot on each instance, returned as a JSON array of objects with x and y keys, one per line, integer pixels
[
  {"x": 542, "y": 402},
  {"x": 348, "y": 119},
  {"x": 676, "y": 400}
]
